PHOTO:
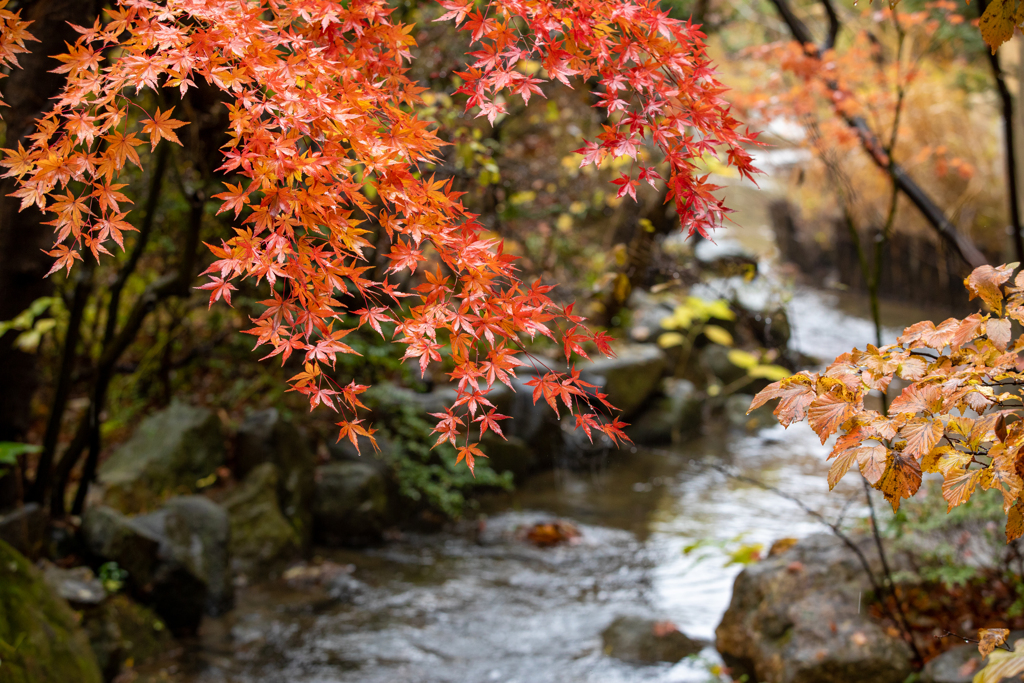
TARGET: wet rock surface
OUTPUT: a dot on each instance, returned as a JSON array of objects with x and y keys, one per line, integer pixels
[
  {"x": 168, "y": 454},
  {"x": 794, "y": 618},
  {"x": 644, "y": 640},
  {"x": 629, "y": 378}
]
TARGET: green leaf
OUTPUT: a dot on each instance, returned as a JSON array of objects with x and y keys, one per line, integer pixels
[
  {"x": 10, "y": 450},
  {"x": 670, "y": 339}
]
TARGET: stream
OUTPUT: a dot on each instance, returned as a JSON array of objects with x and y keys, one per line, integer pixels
[{"x": 476, "y": 603}]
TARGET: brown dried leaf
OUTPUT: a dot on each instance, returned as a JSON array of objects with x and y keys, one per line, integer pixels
[
  {"x": 922, "y": 435},
  {"x": 941, "y": 335},
  {"x": 957, "y": 489},
  {"x": 985, "y": 281},
  {"x": 916, "y": 399},
  {"x": 828, "y": 412},
  {"x": 901, "y": 480},
  {"x": 991, "y": 638},
  {"x": 873, "y": 461},
  {"x": 967, "y": 331}
]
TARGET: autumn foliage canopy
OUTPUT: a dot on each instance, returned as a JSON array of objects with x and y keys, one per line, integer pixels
[{"x": 323, "y": 117}]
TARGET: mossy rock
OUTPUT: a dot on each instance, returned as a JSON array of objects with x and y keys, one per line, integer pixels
[
  {"x": 261, "y": 537},
  {"x": 168, "y": 454},
  {"x": 40, "y": 640},
  {"x": 124, "y": 633}
]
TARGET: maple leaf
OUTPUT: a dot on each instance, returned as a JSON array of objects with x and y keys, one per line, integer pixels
[
  {"x": 161, "y": 126},
  {"x": 219, "y": 288},
  {"x": 469, "y": 452}
]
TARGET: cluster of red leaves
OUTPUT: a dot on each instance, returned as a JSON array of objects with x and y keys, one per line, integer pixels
[
  {"x": 13, "y": 34},
  {"x": 656, "y": 82},
  {"x": 321, "y": 107},
  {"x": 959, "y": 415}
]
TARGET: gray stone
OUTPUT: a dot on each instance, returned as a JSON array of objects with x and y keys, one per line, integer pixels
[
  {"x": 266, "y": 437},
  {"x": 794, "y": 618},
  {"x": 24, "y": 529},
  {"x": 716, "y": 359},
  {"x": 79, "y": 585},
  {"x": 262, "y": 540},
  {"x": 509, "y": 455},
  {"x": 351, "y": 505},
  {"x": 42, "y": 642},
  {"x": 672, "y": 415},
  {"x": 177, "y": 558},
  {"x": 629, "y": 378},
  {"x": 168, "y": 454},
  {"x": 114, "y": 537},
  {"x": 195, "y": 536},
  {"x": 646, "y": 641}
]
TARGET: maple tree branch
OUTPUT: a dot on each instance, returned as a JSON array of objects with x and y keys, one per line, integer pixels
[{"x": 931, "y": 211}]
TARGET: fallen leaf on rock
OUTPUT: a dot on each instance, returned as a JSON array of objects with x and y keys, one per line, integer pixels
[{"x": 663, "y": 628}]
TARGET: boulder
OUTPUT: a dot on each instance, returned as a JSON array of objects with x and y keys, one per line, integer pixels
[
  {"x": 122, "y": 633},
  {"x": 646, "y": 641},
  {"x": 266, "y": 437},
  {"x": 351, "y": 505},
  {"x": 176, "y": 557},
  {"x": 194, "y": 573},
  {"x": 24, "y": 528},
  {"x": 113, "y": 537},
  {"x": 675, "y": 413},
  {"x": 262, "y": 540},
  {"x": 629, "y": 378},
  {"x": 794, "y": 618},
  {"x": 716, "y": 359},
  {"x": 168, "y": 454},
  {"x": 511, "y": 454},
  {"x": 40, "y": 640}
]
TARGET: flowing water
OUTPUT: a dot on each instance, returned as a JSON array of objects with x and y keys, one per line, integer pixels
[{"x": 478, "y": 604}]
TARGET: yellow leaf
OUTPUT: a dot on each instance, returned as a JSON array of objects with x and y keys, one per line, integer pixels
[
  {"x": 742, "y": 359},
  {"x": 772, "y": 372},
  {"x": 720, "y": 335},
  {"x": 670, "y": 339},
  {"x": 998, "y": 22}
]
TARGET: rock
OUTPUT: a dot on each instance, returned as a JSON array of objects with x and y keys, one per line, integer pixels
[
  {"x": 959, "y": 665},
  {"x": 351, "y": 505},
  {"x": 193, "y": 575},
  {"x": 262, "y": 540},
  {"x": 716, "y": 359},
  {"x": 121, "y": 631},
  {"x": 629, "y": 378},
  {"x": 169, "y": 452},
  {"x": 40, "y": 639},
  {"x": 669, "y": 417},
  {"x": 509, "y": 455},
  {"x": 736, "y": 407},
  {"x": 114, "y": 537},
  {"x": 794, "y": 618},
  {"x": 266, "y": 437},
  {"x": 635, "y": 639},
  {"x": 24, "y": 529},
  {"x": 79, "y": 585}
]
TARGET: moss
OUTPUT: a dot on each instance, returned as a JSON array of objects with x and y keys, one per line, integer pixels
[{"x": 40, "y": 640}]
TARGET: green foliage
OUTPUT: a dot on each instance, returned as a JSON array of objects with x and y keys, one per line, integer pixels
[
  {"x": 9, "y": 452},
  {"x": 112, "y": 576},
  {"x": 735, "y": 549},
  {"x": 33, "y": 324},
  {"x": 431, "y": 476}
]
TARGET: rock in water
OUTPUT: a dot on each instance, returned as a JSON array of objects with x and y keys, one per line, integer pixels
[
  {"x": 262, "y": 540},
  {"x": 168, "y": 454},
  {"x": 351, "y": 505},
  {"x": 794, "y": 619},
  {"x": 266, "y": 437},
  {"x": 635, "y": 639},
  {"x": 629, "y": 378},
  {"x": 114, "y": 537},
  {"x": 674, "y": 414},
  {"x": 40, "y": 640}
]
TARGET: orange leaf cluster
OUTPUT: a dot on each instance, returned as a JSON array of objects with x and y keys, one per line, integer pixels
[
  {"x": 321, "y": 108},
  {"x": 960, "y": 413}
]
